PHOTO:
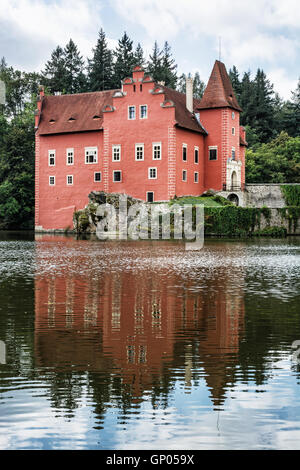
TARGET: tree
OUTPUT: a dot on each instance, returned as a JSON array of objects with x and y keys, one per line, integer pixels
[
  {"x": 169, "y": 67},
  {"x": 75, "y": 80},
  {"x": 236, "y": 84},
  {"x": 264, "y": 102},
  {"x": 155, "y": 65},
  {"x": 100, "y": 67},
  {"x": 198, "y": 85},
  {"x": 139, "y": 56},
  {"x": 55, "y": 71},
  {"x": 124, "y": 60}
]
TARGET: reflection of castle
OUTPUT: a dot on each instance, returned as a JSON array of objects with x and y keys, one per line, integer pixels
[{"x": 140, "y": 324}]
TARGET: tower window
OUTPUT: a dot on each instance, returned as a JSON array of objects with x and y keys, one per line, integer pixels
[
  {"x": 196, "y": 155},
  {"x": 184, "y": 175},
  {"x": 213, "y": 153},
  {"x": 196, "y": 177},
  {"x": 184, "y": 152}
]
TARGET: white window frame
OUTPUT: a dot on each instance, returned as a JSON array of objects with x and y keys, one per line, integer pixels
[
  {"x": 50, "y": 184},
  {"x": 67, "y": 156},
  {"x": 149, "y": 173},
  {"x": 233, "y": 130},
  {"x": 91, "y": 149},
  {"x": 136, "y": 147},
  {"x": 119, "y": 171},
  {"x": 130, "y": 118},
  {"x": 212, "y": 147},
  {"x": 196, "y": 176},
  {"x": 70, "y": 176},
  {"x": 97, "y": 181},
  {"x": 156, "y": 144},
  {"x": 145, "y": 117},
  {"x": 116, "y": 147},
  {"x": 233, "y": 115},
  {"x": 184, "y": 180},
  {"x": 49, "y": 153},
  {"x": 184, "y": 146},
  {"x": 196, "y": 148},
  {"x": 233, "y": 150}
]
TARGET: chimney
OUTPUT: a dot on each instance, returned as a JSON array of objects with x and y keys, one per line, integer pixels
[{"x": 189, "y": 94}]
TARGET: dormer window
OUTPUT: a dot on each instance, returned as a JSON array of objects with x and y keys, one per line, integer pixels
[
  {"x": 96, "y": 117},
  {"x": 71, "y": 119},
  {"x": 52, "y": 121}
]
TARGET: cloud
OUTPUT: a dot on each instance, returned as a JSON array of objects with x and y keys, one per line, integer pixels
[{"x": 36, "y": 27}]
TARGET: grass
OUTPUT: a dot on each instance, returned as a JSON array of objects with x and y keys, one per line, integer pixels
[{"x": 209, "y": 201}]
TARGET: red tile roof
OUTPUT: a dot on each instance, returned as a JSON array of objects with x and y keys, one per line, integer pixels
[
  {"x": 183, "y": 116},
  {"x": 73, "y": 113},
  {"x": 219, "y": 92}
]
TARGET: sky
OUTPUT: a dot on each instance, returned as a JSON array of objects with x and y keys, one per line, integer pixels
[{"x": 254, "y": 34}]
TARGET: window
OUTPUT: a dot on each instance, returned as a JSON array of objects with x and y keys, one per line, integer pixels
[
  {"x": 184, "y": 175},
  {"x": 152, "y": 173},
  {"x": 139, "y": 152},
  {"x": 184, "y": 152},
  {"x": 116, "y": 153},
  {"x": 69, "y": 180},
  {"x": 233, "y": 153},
  {"x": 196, "y": 177},
  {"x": 233, "y": 115},
  {"x": 117, "y": 176},
  {"x": 143, "y": 111},
  {"x": 51, "y": 180},
  {"x": 156, "y": 151},
  {"x": 196, "y": 154},
  {"x": 233, "y": 131},
  {"x": 51, "y": 155},
  {"x": 131, "y": 112},
  {"x": 97, "y": 177},
  {"x": 213, "y": 153},
  {"x": 141, "y": 87},
  {"x": 70, "y": 156},
  {"x": 134, "y": 88},
  {"x": 91, "y": 155},
  {"x": 150, "y": 196}
]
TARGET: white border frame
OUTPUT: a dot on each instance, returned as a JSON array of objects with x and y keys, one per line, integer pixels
[
  {"x": 185, "y": 181},
  {"x": 69, "y": 150},
  {"x": 140, "y": 111},
  {"x": 147, "y": 192},
  {"x": 87, "y": 149},
  {"x": 70, "y": 176},
  {"x": 152, "y": 168},
  {"x": 212, "y": 147},
  {"x": 186, "y": 147},
  {"x": 52, "y": 176},
  {"x": 121, "y": 180},
  {"x": 51, "y": 151},
  {"x": 196, "y": 148},
  {"x": 129, "y": 118},
  {"x": 135, "y": 152},
  {"x": 97, "y": 181},
  {"x": 196, "y": 173},
  {"x": 156, "y": 144},
  {"x": 112, "y": 153}
]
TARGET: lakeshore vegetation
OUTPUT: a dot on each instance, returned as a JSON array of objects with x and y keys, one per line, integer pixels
[{"x": 272, "y": 124}]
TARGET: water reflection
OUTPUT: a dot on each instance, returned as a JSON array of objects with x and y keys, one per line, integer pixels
[{"x": 121, "y": 336}]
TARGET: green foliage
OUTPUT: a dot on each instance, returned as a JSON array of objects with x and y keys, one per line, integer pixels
[
  {"x": 275, "y": 162},
  {"x": 231, "y": 221},
  {"x": 274, "y": 232},
  {"x": 292, "y": 215},
  {"x": 198, "y": 85},
  {"x": 100, "y": 67},
  {"x": 291, "y": 194}
]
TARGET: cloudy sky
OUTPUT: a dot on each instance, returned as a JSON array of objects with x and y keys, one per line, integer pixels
[{"x": 255, "y": 33}]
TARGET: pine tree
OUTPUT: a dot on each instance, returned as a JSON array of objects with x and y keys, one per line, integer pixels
[
  {"x": 100, "y": 67},
  {"x": 236, "y": 84},
  {"x": 168, "y": 74},
  {"x": 155, "y": 63},
  {"x": 264, "y": 100},
  {"x": 55, "y": 71},
  {"x": 124, "y": 60},
  {"x": 139, "y": 56},
  {"x": 198, "y": 85},
  {"x": 75, "y": 80}
]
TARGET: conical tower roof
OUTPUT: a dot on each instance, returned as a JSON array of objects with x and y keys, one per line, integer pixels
[{"x": 219, "y": 92}]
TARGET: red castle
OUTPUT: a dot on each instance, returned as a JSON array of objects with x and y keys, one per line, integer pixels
[{"x": 144, "y": 140}]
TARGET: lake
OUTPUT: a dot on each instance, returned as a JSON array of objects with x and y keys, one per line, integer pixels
[{"x": 143, "y": 345}]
